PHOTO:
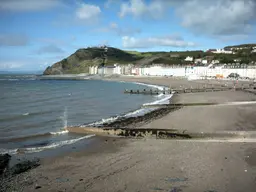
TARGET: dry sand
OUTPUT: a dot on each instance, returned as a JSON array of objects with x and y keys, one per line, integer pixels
[
  {"x": 211, "y": 118},
  {"x": 121, "y": 164}
]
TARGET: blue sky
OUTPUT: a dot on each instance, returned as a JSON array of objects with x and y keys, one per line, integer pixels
[{"x": 37, "y": 33}]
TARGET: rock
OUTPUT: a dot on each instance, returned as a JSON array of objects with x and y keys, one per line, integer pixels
[
  {"x": 38, "y": 187},
  {"x": 24, "y": 166},
  {"x": 4, "y": 162}
]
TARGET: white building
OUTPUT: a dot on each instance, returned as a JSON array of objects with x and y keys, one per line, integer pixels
[
  {"x": 204, "y": 61},
  {"x": 196, "y": 72},
  {"x": 188, "y": 58},
  {"x": 93, "y": 70},
  {"x": 222, "y": 51},
  {"x": 198, "y": 60},
  {"x": 237, "y": 60},
  {"x": 215, "y": 61}
]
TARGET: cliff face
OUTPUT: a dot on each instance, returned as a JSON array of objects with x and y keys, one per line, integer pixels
[{"x": 80, "y": 61}]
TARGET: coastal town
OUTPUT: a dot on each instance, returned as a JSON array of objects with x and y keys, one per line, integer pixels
[
  {"x": 128, "y": 96},
  {"x": 196, "y": 68}
]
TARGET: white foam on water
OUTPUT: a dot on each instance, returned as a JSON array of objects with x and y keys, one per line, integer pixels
[
  {"x": 160, "y": 95},
  {"x": 139, "y": 112},
  {"x": 51, "y": 146},
  {"x": 59, "y": 132},
  {"x": 102, "y": 121},
  {"x": 65, "y": 118},
  {"x": 149, "y": 85},
  {"x": 9, "y": 151},
  {"x": 56, "y": 144},
  {"x": 25, "y": 114},
  {"x": 164, "y": 100}
]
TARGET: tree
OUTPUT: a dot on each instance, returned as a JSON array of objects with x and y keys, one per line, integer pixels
[
  {"x": 199, "y": 56},
  {"x": 245, "y": 60}
]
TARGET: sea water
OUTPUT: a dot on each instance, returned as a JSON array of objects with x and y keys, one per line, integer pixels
[{"x": 34, "y": 113}]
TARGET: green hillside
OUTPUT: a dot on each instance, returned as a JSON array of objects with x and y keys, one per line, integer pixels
[{"x": 80, "y": 61}]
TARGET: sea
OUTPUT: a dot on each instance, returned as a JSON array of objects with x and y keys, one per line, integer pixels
[{"x": 34, "y": 112}]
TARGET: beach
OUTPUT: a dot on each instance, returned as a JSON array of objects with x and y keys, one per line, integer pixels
[{"x": 149, "y": 164}]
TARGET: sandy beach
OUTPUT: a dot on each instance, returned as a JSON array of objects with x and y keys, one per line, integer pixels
[{"x": 128, "y": 164}]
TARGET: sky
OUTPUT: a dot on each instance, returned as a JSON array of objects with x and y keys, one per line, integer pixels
[{"x": 35, "y": 34}]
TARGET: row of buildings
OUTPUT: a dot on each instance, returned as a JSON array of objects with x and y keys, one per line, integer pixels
[
  {"x": 195, "y": 72},
  {"x": 223, "y": 51},
  {"x": 204, "y": 61},
  {"x": 231, "y": 50}
]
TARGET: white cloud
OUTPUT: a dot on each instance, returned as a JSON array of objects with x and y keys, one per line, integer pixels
[
  {"x": 13, "y": 40},
  {"x": 54, "y": 41},
  {"x": 121, "y": 31},
  {"x": 139, "y": 8},
  {"x": 170, "y": 41},
  {"x": 44, "y": 65},
  {"x": 50, "y": 49},
  {"x": 28, "y": 5},
  {"x": 29, "y": 63},
  {"x": 219, "y": 17},
  {"x": 73, "y": 38},
  {"x": 10, "y": 65},
  {"x": 108, "y": 3},
  {"x": 87, "y": 11}
]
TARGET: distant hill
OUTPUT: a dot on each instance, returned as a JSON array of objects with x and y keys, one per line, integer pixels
[{"x": 80, "y": 61}]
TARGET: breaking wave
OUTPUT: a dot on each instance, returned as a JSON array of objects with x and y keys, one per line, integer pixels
[
  {"x": 13, "y": 139},
  {"x": 41, "y": 148}
]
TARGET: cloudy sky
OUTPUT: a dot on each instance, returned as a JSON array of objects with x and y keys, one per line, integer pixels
[{"x": 37, "y": 33}]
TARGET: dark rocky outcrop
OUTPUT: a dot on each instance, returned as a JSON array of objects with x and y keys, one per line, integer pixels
[
  {"x": 24, "y": 166},
  {"x": 8, "y": 175},
  {"x": 4, "y": 162},
  {"x": 140, "y": 120}
]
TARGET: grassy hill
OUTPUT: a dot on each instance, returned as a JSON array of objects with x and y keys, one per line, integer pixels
[
  {"x": 80, "y": 61},
  {"x": 242, "y": 45}
]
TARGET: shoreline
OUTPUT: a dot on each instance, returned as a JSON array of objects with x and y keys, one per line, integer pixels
[
  {"x": 118, "y": 163},
  {"x": 138, "y": 115}
]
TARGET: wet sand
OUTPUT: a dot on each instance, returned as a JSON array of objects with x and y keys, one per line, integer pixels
[{"x": 125, "y": 164}]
